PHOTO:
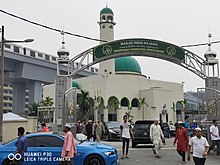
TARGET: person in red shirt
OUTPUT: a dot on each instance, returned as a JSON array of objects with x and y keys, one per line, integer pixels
[
  {"x": 44, "y": 127},
  {"x": 182, "y": 141}
]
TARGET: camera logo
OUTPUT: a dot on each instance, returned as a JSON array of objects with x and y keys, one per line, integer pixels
[{"x": 16, "y": 156}]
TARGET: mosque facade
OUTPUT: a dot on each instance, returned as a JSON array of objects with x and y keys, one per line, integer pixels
[{"x": 120, "y": 87}]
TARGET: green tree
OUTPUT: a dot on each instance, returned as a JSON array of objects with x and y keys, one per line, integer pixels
[
  {"x": 33, "y": 109},
  {"x": 128, "y": 114},
  {"x": 48, "y": 101},
  {"x": 86, "y": 104}
]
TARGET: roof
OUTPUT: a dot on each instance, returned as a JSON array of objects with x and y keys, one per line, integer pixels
[
  {"x": 13, "y": 117},
  {"x": 106, "y": 10},
  {"x": 127, "y": 64}
]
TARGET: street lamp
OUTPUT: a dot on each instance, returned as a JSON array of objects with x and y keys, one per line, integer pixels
[{"x": 3, "y": 42}]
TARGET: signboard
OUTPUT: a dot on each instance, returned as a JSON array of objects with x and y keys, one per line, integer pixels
[{"x": 141, "y": 46}]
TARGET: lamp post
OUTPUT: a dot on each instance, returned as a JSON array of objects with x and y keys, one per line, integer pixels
[{"x": 3, "y": 41}]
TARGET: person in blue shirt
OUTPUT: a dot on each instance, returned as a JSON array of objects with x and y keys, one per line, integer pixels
[
  {"x": 21, "y": 145},
  {"x": 187, "y": 126}
]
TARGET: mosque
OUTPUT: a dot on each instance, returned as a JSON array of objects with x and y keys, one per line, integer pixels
[{"x": 120, "y": 87}]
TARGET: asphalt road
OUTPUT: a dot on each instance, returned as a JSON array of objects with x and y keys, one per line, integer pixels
[{"x": 142, "y": 155}]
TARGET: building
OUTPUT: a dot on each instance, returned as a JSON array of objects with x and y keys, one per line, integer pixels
[{"x": 120, "y": 87}]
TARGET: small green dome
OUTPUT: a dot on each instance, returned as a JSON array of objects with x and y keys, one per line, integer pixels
[
  {"x": 127, "y": 64},
  {"x": 75, "y": 84},
  {"x": 106, "y": 10}
]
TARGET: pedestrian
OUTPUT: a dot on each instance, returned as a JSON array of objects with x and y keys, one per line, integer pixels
[
  {"x": 215, "y": 138},
  {"x": 125, "y": 135},
  {"x": 21, "y": 145},
  {"x": 83, "y": 127},
  {"x": 200, "y": 147},
  {"x": 157, "y": 137},
  {"x": 182, "y": 141},
  {"x": 187, "y": 126},
  {"x": 69, "y": 148},
  {"x": 78, "y": 127},
  {"x": 98, "y": 129},
  {"x": 194, "y": 125},
  {"x": 44, "y": 127},
  {"x": 89, "y": 130}
]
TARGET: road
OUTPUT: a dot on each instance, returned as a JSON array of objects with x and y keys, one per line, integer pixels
[{"x": 142, "y": 155}]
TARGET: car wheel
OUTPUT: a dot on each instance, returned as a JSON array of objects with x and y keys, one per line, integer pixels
[
  {"x": 94, "y": 160},
  {"x": 133, "y": 145}
]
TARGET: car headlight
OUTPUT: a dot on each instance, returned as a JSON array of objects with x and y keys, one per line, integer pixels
[
  {"x": 109, "y": 153},
  {"x": 111, "y": 131}
]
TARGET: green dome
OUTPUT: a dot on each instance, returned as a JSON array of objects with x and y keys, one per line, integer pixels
[
  {"x": 75, "y": 84},
  {"x": 106, "y": 10},
  {"x": 127, "y": 64}
]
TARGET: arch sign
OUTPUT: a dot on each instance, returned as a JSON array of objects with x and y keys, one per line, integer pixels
[
  {"x": 137, "y": 46},
  {"x": 140, "y": 47}
]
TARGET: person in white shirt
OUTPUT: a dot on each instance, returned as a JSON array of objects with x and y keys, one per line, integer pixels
[
  {"x": 200, "y": 148},
  {"x": 125, "y": 135},
  {"x": 215, "y": 138},
  {"x": 157, "y": 137}
]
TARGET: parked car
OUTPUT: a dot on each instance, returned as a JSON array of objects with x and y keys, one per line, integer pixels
[
  {"x": 112, "y": 130},
  {"x": 47, "y": 147},
  {"x": 141, "y": 132}
]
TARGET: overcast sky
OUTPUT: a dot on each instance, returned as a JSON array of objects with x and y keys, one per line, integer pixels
[{"x": 180, "y": 22}]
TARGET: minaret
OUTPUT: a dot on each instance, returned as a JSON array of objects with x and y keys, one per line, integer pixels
[{"x": 106, "y": 24}]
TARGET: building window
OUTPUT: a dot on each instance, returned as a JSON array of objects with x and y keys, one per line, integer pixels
[
  {"x": 8, "y": 46},
  {"x": 32, "y": 53},
  {"x": 47, "y": 57},
  {"x": 110, "y": 27},
  {"x": 40, "y": 55},
  {"x": 92, "y": 69},
  {"x": 16, "y": 49},
  {"x": 134, "y": 102},
  {"x": 124, "y": 102},
  {"x": 24, "y": 49},
  {"x": 54, "y": 59}
]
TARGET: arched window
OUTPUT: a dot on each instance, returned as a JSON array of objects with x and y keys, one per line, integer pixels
[
  {"x": 110, "y": 19},
  {"x": 134, "y": 102},
  {"x": 103, "y": 17},
  {"x": 124, "y": 102}
]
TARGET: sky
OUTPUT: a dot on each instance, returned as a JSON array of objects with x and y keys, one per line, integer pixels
[{"x": 180, "y": 22}]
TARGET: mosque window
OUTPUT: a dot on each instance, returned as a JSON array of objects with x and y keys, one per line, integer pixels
[
  {"x": 110, "y": 26},
  {"x": 103, "y": 17},
  {"x": 124, "y": 102},
  {"x": 109, "y": 18},
  {"x": 134, "y": 102}
]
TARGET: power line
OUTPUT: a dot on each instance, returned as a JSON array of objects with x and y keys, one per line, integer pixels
[
  {"x": 81, "y": 36},
  {"x": 50, "y": 28},
  {"x": 215, "y": 42}
]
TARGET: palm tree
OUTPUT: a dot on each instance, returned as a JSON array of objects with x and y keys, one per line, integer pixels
[
  {"x": 85, "y": 104},
  {"x": 48, "y": 101},
  {"x": 33, "y": 109},
  {"x": 142, "y": 102},
  {"x": 128, "y": 114}
]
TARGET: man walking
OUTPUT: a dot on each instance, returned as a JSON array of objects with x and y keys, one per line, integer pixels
[
  {"x": 200, "y": 147},
  {"x": 157, "y": 137},
  {"x": 69, "y": 148},
  {"x": 98, "y": 129},
  {"x": 215, "y": 138},
  {"x": 89, "y": 130},
  {"x": 182, "y": 141},
  {"x": 21, "y": 145},
  {"x": 125, "y": 134}
]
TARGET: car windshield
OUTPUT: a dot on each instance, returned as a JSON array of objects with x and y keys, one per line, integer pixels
[
  {"x": 113, "y": 125},
  {"x": 141, "y": 126}
]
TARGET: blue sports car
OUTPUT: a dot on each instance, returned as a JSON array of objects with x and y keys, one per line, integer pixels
[{"x": 45, "y": 148}]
